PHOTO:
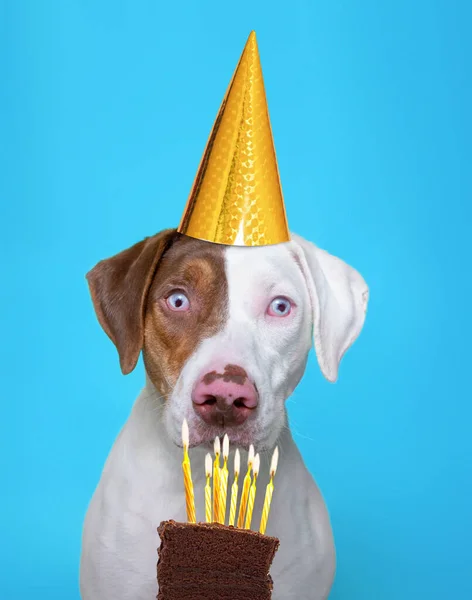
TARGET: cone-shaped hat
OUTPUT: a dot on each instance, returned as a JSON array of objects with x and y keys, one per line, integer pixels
[{"x": 236, "y": 198}]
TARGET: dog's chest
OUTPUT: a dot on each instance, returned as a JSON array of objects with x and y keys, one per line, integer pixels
[
  {"x": 126, "y": 519},
  {"x": 121, "y": 533}
]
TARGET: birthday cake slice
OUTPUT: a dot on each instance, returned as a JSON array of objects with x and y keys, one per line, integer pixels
[{"x": 210, "y": 561}]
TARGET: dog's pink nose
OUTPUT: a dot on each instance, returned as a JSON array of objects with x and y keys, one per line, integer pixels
[{"x": 225, "y": 399}]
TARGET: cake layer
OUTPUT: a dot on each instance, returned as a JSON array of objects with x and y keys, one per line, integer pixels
[
  {"x": 202, "y": 592},
  {"x": 211, "y": 546},
  {"x": 213, "y": 562}
]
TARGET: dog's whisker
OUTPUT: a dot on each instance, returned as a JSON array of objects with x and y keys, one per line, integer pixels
[{"x": 294, "y": 429}]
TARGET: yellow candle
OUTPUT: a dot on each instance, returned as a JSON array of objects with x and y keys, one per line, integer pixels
[
  {"x": 208, "y": 506},
  {"x": 189, "y": 496},
  {"x": 234, "y": 489},
  {"x": 224, "y": 480},
  {"x": 269, "y": 492},
  {"x": 216, "y": 480},
  {"x": 252, "y": 492},
  {"x": 246, "y": 485}
]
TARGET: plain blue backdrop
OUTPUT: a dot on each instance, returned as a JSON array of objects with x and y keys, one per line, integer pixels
[{"x": 105, "y": 110}]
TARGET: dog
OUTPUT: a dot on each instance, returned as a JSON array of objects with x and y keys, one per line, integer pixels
[{"x": 224, "y": 333}]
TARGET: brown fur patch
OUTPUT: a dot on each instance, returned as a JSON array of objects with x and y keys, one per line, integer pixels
[
  {"x": 232, "y": 373},
  {"x": 197, "y": 269},
  {"x": 119, "y": 286}
]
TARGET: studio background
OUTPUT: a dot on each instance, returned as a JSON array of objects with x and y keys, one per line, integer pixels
[{"x": 105, "y": 110}]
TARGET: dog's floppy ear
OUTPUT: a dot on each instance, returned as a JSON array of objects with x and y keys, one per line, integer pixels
[
  {"x": 119, "y": 287},
  {"x": 339, "y": 297}
]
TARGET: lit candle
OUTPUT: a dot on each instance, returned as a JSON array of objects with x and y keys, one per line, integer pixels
[
  {"x": 252, "y": 492},
  {"x": 216, "y": 480},
  {"x": 269, "y": 491},
  {"x": 208, "y": 467},
  {"x": 224, "y": 480},
  {"x": 189, "y": 496},
  {"x": 234, "y": 489},
  {"x": 246, "y": 484}
]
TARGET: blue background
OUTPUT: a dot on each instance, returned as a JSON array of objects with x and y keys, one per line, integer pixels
[{"x": 105, "y": 110}]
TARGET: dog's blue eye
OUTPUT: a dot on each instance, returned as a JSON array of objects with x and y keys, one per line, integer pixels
[
  {"x": 178, "y": 301},
  {"x": 280, "y": 307}
]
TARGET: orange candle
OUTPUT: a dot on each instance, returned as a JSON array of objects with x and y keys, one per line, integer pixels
[
  {"x": 252, "y": 492},
  {"x": 189, "y": 495},
  {"x": 246, "y": 485},
  {"x": 208, "y": 507},
  {"x": 269, "y": 492},
  {"x": 224, "y": 480},
  {"x": 216, "y": 481},
  {"x": 234, "y": 489}
]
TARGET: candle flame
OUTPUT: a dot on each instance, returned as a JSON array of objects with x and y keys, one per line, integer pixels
[
  {"x": 250, "y": 456},
  {"x": 274, "y": 462},
  {"x": 208, "y": 465},
  {"x": 237, "y": 461},
  {"x": 256, "y": 465},
  {"x": 217, "y": 446},
  {"x": 185, "y": 434},
  {"x": 226, "y": 447}
]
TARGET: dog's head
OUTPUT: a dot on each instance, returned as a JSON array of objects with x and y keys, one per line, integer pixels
[{"x": 225, "y": 331}]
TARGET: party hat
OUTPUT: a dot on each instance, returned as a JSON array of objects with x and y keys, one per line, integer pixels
[{"x": 236, "y": 198}]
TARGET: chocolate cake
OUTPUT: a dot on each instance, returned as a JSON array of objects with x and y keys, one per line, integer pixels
[{"x": 209, "y": 561}]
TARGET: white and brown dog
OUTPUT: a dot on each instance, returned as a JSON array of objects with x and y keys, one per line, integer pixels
[{"x": 225, "y": 332}]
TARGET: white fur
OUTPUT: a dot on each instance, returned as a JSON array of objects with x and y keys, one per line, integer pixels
[{"x": 141, "y": 484}]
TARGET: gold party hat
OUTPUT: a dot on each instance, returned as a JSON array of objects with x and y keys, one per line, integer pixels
[{"x": 236, "y": 198}]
